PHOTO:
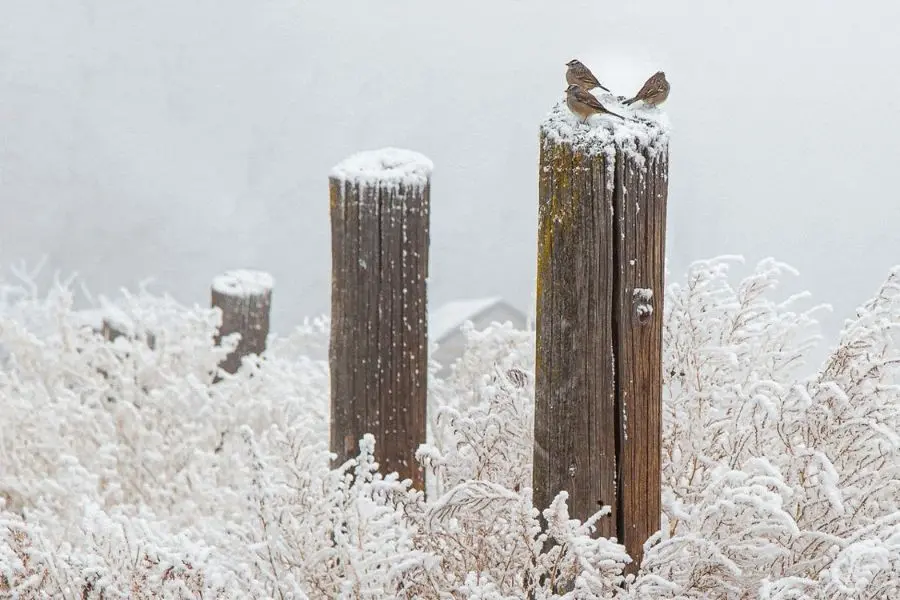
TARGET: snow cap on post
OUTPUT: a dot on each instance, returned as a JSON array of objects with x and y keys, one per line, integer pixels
[
  {"x": 388, "y": 168},
  {"x": 242, "y": 283},
  {"x": 644, "y": 129}
]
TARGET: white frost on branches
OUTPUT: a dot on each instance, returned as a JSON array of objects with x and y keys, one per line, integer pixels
[{"x": 127, "y": 474}]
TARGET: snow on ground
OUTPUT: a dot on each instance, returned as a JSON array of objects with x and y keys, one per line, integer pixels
[{"x": 128, "y": 473}]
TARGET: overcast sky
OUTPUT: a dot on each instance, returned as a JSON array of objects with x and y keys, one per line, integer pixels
[{"x": 177, "y": 139}]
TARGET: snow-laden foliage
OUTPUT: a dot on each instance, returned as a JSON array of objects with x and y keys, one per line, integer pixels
[{"x": 126, "y": 473}]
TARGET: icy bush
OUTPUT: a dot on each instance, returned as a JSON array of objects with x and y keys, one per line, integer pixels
[{"x": 126, "y": 473}]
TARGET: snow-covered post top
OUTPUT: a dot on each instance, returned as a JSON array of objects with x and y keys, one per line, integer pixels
[
  {"x": 388, "y": 169},
  {"x": 601, "y": 242},
  {"x": 380, "y": 204},
  {"x": 644, "y": 131},
  {"x": 245, "y": 299}
]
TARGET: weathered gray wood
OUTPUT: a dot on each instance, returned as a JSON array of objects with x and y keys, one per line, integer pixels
[
  {"x": 598, "y": 384},
  {"x": 378, "y": 350},
  {"x": 245, "y": 299}
]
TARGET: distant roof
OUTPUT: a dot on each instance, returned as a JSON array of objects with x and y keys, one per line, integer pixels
[{"x": 451, "y": 315}]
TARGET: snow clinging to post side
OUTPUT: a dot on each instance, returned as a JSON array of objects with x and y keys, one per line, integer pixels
[
  {"x": 243, "y": 283},
  {"x": 385, "y": 168},
  {"x": 642, "y": 294}
]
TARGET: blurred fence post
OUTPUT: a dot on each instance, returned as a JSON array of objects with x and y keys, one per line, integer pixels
[
  {"x": 600, "y": 269},
  {"x": 245, "y": 299},
  {"x": 378, "y": 352},
  {"x": 116, "y": 324}
]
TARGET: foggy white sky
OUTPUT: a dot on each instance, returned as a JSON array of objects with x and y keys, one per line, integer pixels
[{"x": 177, "y": 139}]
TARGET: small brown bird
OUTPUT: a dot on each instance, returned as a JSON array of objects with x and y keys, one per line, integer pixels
[
  {"x": 654, "y": 92},
  {"x": 580, "y": 75},
  {"x": 585, "y": 104}
]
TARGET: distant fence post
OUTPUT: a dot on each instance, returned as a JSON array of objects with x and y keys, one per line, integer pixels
[
  {"x": 116, "y": 324},
  {"x": 600, "y": 269},
  {"x": 378, "y": 352},
  {"x": 245, "y": 298}
]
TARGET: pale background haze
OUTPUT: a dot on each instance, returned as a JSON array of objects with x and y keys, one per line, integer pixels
[{"x": 178, "y": 139}]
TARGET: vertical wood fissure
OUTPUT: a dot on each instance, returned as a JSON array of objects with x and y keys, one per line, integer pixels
[{"x": 614, "y": 325}]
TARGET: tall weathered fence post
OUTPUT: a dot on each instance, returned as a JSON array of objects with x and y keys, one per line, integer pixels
[
  {"x": 378, "y": 350},
  {"x": 600, "y": 267},
  {"x": 245, "y": 298}
]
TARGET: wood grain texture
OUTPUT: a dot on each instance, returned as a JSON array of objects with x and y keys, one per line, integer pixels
[
  {"x": 574, "y": 447},
  {"x": 598, "y": 354},
  {"x": 641, "y": 225},
  {"x": 378, "y": 350},
  {"x": 248, "y": 315}
]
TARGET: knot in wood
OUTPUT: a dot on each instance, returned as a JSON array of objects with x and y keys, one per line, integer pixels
[{"x": 643, "y": 307}]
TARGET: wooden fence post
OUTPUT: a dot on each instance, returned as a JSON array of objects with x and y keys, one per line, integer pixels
[
  {"x": 116, "y": 324},
  {"x": 600, "y": 269},
  {"x": 378, "y": 352},
  {"x": 245, "y": 298}
]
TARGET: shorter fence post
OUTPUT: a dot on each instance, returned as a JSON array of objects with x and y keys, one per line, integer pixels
[{"x": 245, "y": 298}]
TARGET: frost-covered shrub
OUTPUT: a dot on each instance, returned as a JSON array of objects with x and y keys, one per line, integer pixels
[
  {"x": 777, "y": 486},
  {"x": 125, "y": 473},
  {"x": 482, "y": 414}
]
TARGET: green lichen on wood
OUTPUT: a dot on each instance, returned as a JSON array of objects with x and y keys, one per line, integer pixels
[
  {"x": 560, "y": 201},
  {"x": 566, "y": 192}
]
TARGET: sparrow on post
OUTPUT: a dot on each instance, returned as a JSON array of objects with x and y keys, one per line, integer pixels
[
  {"x": 585, "y": 104},
  {"x": 654, "y": 92},
  {"x": 578, "y": 74}
]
